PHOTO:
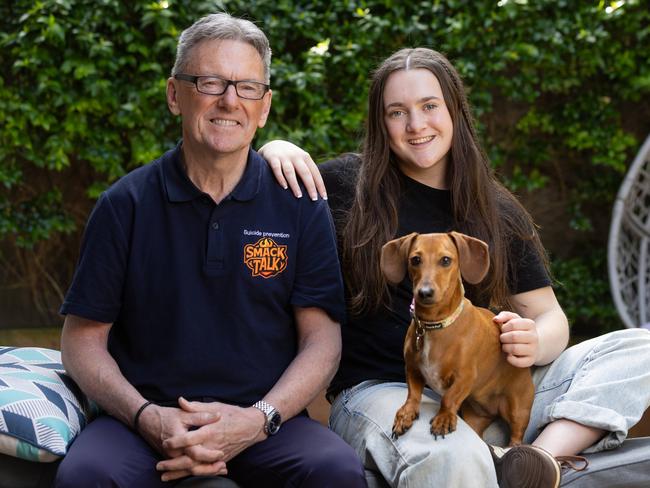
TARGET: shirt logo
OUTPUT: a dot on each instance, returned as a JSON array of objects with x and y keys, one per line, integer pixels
[{"x": 265, "y": 258}]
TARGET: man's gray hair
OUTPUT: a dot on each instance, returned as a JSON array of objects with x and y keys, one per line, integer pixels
[{"x": 225, "y": 27}]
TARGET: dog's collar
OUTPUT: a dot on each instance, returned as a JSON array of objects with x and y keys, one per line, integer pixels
[
  {"x": 422, "y": 326},
  {"x": 439, "y": 324}
]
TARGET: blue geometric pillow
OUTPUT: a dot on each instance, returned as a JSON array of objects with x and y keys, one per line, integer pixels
[{"x": 41, "y": 409}]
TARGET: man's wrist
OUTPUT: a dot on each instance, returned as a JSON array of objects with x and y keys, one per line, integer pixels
[
  {"x": 259, "y": 420},
  {"x": 136, "y": 417}
]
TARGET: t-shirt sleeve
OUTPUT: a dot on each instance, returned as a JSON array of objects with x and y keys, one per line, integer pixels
[
  {"x": 97, "y": 285},
  {"x": 318, "y": 281},
  {"x": 529, "y": 272},
  {"x": 340, "y": 177}
]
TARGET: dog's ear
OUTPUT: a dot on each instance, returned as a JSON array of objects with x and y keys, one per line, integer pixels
[
  {"x": 393, "y": 258},
  {"x": 474, "y": 257}
]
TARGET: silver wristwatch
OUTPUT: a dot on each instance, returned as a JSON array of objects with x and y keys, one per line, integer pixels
[{"x": 273, "y": 419}]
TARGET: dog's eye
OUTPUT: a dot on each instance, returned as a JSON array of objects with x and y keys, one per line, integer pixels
[
  {"x": 445, "y": 261},
  {"x": 415, "y": 260}
]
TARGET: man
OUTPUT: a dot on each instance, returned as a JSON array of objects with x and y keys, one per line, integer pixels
[{"x": 199, "y": 277}]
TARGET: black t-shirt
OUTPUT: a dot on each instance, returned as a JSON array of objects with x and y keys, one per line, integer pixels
[{"x": 373, "y": 343}]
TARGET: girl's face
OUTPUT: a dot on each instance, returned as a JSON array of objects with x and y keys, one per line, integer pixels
[{"x": 419, "y": 125}]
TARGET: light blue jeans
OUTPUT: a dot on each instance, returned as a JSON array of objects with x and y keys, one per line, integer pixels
[{"x": 603, "y": 382}]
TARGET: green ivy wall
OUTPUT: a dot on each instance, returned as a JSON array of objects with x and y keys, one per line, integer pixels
[{"x": 561, "y": 90}]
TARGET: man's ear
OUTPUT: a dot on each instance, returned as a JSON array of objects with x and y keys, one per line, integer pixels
[
  {"x": 266, "y": 108},
  {"x": 172, "y": 99}
]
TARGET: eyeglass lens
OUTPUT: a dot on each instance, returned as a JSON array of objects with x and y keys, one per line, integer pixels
[{"x": 216, "y": 86}]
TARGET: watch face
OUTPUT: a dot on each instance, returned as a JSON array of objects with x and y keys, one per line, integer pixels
[{"x": 273, "y": 424}]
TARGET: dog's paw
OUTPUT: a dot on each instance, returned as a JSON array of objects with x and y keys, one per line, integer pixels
[
  {"x": 443, "y": 423},
  {"x": 403, "y": 421}
]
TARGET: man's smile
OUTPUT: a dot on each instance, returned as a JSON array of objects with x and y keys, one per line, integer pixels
[{"x": 224, "y": 122}]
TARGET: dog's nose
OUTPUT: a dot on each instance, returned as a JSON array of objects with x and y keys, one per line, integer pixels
[{"x": 425, "y": 292}]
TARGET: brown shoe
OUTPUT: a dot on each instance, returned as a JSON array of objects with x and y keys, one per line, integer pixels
[{"x": 530, "y": 466}]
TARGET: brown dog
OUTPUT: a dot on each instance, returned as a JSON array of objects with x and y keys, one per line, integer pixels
[{"x": 451, "y": 345}]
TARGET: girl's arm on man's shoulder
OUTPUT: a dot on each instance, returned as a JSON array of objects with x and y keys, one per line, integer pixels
[{"x": 288, "y": 163}]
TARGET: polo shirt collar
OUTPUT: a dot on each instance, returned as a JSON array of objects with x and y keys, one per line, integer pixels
[
  {"x": 181, "y": 189},
  {"x": 250, "y": 182}
]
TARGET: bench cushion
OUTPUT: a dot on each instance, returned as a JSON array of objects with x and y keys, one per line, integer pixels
[{"x": 41, "y": 408}]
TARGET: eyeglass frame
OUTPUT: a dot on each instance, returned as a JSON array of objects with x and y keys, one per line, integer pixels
[{"x": 195, "y": 79}]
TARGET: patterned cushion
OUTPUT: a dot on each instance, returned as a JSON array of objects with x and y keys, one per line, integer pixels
[{"x": 41, "y": 408}]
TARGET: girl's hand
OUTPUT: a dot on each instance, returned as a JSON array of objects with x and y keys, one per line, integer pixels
[
  {"x": 519, "y": 339},
  {"x": 288, "y": 160}
]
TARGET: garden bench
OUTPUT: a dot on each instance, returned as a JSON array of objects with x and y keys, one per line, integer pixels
[{"x": 605, "y": 472}]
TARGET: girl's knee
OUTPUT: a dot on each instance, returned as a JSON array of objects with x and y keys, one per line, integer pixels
[
  {"x": 640, "y": 335},
  {"x": 635, "y": 342}
]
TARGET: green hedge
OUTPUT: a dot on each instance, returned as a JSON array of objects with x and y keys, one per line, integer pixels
[{"x": 561, "y": 89}]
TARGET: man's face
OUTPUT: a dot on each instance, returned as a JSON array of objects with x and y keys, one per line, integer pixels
[{"x": 219, "y": 125}]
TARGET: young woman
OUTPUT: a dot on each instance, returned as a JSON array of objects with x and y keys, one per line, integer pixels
[{"x": 423, "y": 170}]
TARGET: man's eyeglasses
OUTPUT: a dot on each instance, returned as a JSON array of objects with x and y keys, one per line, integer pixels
[{"x": 215, "y": 85}]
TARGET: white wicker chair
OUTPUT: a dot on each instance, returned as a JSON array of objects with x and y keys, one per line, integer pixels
[{"x": 629, "y": 243}]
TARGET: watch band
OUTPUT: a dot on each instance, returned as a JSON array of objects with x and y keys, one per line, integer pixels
[{"x": 273, "y": 419}]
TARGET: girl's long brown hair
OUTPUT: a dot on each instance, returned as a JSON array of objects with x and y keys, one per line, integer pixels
[{"x": 482, "y": 207}]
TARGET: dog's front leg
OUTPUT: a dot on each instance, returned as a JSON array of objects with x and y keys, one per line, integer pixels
[
  {"x": 445, "y": 420},
  {"x": 411, "y": 409}
]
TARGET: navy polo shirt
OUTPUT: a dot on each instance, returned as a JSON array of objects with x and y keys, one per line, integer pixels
[{"x": 201, "y": 295}]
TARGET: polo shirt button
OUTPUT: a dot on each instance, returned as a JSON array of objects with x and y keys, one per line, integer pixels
[{"x": 215, "y": 225}]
